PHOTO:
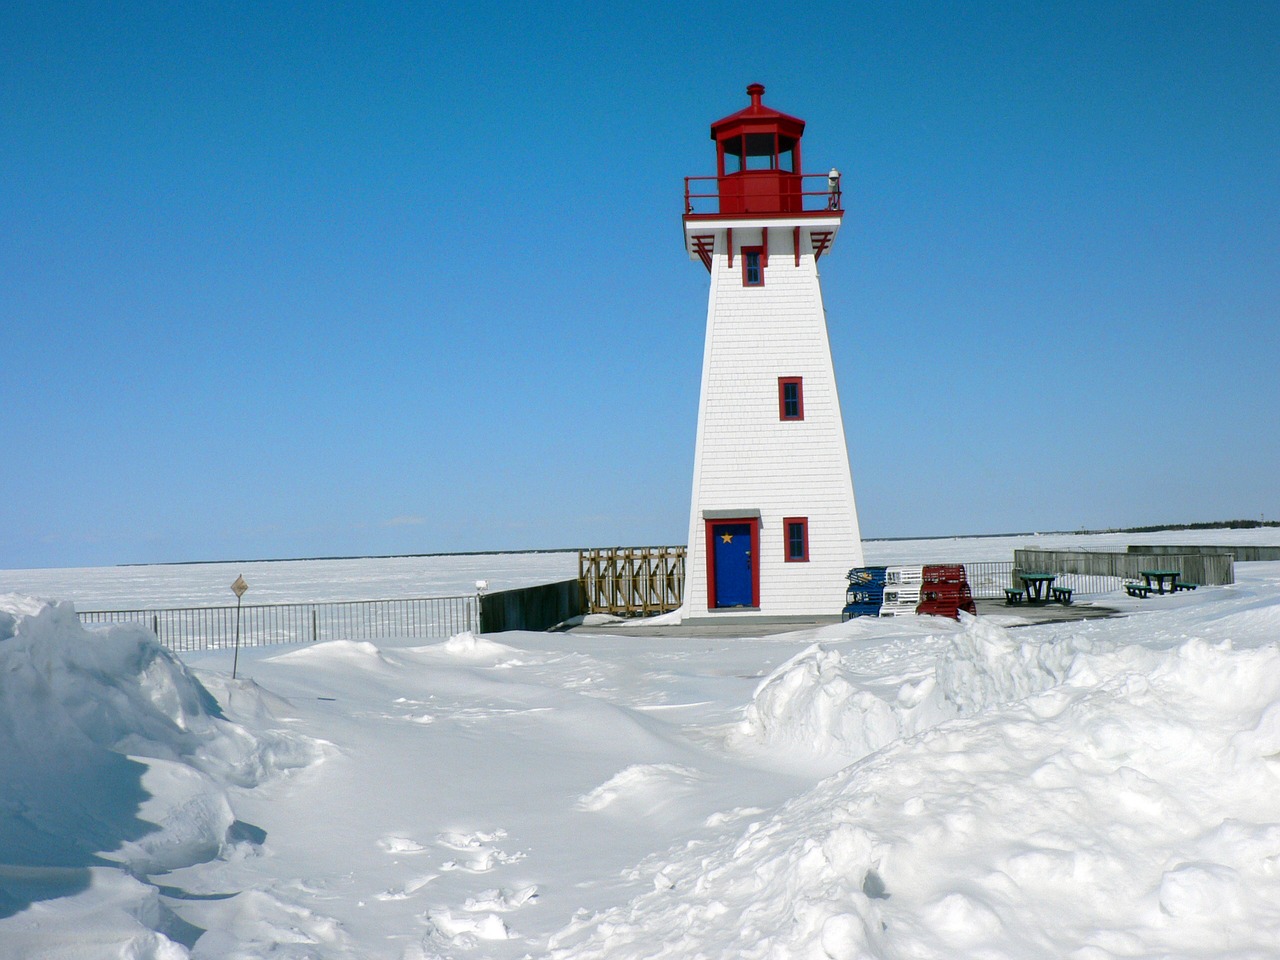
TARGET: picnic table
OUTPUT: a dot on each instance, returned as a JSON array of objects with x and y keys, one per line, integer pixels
[
  {"x": 1037, "y": 585},
  {"x": 1161, "y": 577}
]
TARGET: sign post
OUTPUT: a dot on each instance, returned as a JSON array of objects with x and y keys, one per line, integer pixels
[{"x": 238, "y": 588}]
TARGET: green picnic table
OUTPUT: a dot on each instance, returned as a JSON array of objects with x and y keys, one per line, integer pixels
[
  {"x": 1161, "y": 577},
  {"x": 1037, "y": 585}
]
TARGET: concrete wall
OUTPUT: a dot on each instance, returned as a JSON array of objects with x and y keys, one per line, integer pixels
[
  {"x": 746, "y": 459},
  {"x": 531, "y": 608}
]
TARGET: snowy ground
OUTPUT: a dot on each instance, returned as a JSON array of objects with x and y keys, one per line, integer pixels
[{"x": 910, "y": 788}]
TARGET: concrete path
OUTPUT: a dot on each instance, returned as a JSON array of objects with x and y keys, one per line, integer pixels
[{"x": 757, "y": 627}]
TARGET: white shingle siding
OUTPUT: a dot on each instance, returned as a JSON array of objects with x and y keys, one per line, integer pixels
[{"x": 746, "y": 458}]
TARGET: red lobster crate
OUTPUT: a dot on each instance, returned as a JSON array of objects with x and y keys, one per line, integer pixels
[
  {"x": 943, "y": 573},
  {"x": 946, "y": 592},
  {"x": 949, "y": 610},
  {"x": 945, "y": 598}
]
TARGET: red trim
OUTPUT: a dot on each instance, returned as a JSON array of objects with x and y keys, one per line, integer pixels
[
  {"x": 786, "y": 538},
  {"x": 764, "y": 245},
  {"x": 728, "y": 239},
  {"x": 754, "y": 523},
  {"x": 746, "y": 258},
  {"x": 795, "y": 239},
  {"x": 704, "y": 246},
  {"x": 821, "y": 239},
  {"x": 765, "y": 214},
  {"x": 782, "y": 397}
]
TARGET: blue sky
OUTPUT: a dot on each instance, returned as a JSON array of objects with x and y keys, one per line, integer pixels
[{"x": 295, "y": 280}]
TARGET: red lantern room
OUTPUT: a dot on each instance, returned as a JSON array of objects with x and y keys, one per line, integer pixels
[{"x": 758, "y": 168}]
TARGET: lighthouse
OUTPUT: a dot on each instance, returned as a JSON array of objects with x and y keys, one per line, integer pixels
[{"x": 773, "y": 529}]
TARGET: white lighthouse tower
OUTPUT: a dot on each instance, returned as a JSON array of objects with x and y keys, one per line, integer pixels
[{"x": 773, "y": 529}]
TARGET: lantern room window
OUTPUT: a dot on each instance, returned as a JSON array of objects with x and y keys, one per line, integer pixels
[
  {"x": 753, "y": 266},
  {"x": 759, "y": 151},
  {"x": 787, "y": 155}
]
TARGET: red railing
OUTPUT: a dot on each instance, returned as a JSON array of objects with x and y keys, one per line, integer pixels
[{"x": 763, "y": 192}]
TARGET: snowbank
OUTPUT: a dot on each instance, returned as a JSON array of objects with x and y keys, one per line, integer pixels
[
  {"x": 112, "y": 754},
  {"x": 466, "y": 646},
  {"x": 814, "y": 708},
  {"x": 820, "y": 708},
  {"x": 1083, "y": 801}
]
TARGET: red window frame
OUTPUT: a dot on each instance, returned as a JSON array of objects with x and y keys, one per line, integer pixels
[
  {"x": 748, "y": 254},
  {"x": 783, "y": 383},
  {"x": 803, "y": 524}
]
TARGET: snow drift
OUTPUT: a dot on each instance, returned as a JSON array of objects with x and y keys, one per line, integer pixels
[
  {"x": 821, "y": 706},
  {"x": 1083, "y": 801},
  {"x": 112, "y": 754}
]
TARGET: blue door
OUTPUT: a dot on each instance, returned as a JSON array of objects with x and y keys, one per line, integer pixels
[{"x": 733, "y": 559}]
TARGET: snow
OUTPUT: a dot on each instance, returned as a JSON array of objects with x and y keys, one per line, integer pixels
[{"x": 908, "y": 788}]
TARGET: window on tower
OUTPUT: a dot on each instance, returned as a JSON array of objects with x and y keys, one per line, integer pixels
[
  {"x": 797, "y": 530},
  {"x": 790, "y": 398},
  {"x": 753, "y": 266}
]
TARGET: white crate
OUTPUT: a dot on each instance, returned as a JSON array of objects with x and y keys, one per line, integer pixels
[
  {"x": 904, "y": 575},
  {"x": 900, "y": 599},
  {"x": 902, "y": 595},
  {"x": 898, "y": 610}
]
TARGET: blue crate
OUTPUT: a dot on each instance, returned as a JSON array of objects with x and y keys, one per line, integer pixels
[
  {"x": 867, "y": 574},
  {"x": 860, "y": 610},
  {"x": 866, "y": 588}
]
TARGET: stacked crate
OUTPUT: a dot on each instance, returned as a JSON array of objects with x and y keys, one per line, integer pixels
[
  {"x": 944, "y": 591},
  {"x": 901, "y": 590},
  {"x": 865, "y": 593}
]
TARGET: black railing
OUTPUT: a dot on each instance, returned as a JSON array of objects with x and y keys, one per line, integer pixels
[{"x": 212, "y": 628}]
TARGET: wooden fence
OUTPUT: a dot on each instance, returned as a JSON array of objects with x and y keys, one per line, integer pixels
[
  {"x": 1216, "y": 569},
  {"x": 1242, "y": 554},
  {"x": 632, "y": 581}
]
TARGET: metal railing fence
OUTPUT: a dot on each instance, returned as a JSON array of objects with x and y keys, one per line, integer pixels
[
  {"x": 212, "y": 628},
  {"x": 988, "y": 579}
]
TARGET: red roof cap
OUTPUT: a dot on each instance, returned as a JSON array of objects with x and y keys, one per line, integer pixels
[{"x": 758, "y": 117}]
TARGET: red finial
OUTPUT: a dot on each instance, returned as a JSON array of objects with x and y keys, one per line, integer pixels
[{"x": 755, "y": 92}]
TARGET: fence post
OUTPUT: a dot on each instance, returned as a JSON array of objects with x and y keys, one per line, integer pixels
[{"x": 315, "y": 631}]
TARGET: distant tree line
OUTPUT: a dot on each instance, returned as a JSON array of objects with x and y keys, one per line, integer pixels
[{"x": 1216, "y": 525}]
